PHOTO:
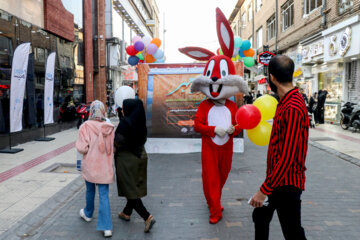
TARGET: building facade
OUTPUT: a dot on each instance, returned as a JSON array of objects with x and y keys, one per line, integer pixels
[
  {"x": 124, "y": 20},
  {"x": 66, "y": 27},
  {"x": 311, "y": 32}
]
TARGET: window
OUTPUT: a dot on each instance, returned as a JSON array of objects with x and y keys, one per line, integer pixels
[
  {"x": 243, "y": 19},
  {"x": 258, "y": 5},
  {"x": 311, "y": 5},
  {"x": 287, "y": 12},
  {"x": 251, "y": 40},
  {"x": 250, "y": 13},
  {"x": 259, "y": 38},
  {"x": 271, "y": 27},
  {"x": 344, "y": 5}
]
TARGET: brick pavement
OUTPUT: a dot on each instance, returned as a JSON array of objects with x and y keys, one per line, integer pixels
[{"x": 331, "y": 202}]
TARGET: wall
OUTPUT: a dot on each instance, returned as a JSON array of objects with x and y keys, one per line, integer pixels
[{"x": 30, "y": 10}]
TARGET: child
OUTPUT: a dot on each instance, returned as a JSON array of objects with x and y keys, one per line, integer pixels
[{"x": 95, "y": 142}]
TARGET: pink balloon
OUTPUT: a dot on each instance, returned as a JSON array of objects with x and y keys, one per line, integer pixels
[
  {"x": 135, "y": 39},
  {"x": 151, "y": 48}
]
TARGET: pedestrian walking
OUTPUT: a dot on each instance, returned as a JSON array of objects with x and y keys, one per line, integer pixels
[
  {"x": 313, "y": 104},
  {"x": 249, "y": 99},
  {"x": 258, "y": 94},
  {"x": 96, "y": 143},
  {"x": 131, "y": 160},
  {"x": 285, "y": 174},
  {"x": 321, "y": 105}
]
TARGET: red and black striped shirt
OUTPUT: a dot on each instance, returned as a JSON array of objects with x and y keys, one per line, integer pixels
[{"x": 288, "y": 144}]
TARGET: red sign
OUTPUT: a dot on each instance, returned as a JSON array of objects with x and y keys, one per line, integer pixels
[
  {"x": 4, "y": 86},
  {"x": 265, "y": 57},
  {"x": 262, "y": 81}
]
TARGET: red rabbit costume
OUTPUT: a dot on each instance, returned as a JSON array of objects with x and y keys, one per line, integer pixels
[{"x": 215, "y": 117}]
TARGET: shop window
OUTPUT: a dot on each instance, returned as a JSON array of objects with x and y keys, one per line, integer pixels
[
  {"x": 80, "y": 52},
  {"x": 40, "y": 55},
  {"x": 287, "y": 12},
  {"x": 311, "y": 5},
  {"x": 259, "y": 38},
  {"x": 271, "y": 27},
  {"x": 344, "y": 5},
  {"x": 6, "y": 51},
  {"x": 351, "y": 76}
]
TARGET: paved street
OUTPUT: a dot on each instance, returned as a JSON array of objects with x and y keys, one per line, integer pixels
[{"x": 331, "y": 202}]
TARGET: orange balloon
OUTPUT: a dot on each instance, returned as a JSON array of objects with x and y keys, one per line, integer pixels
[
  {"x": 249, "y": 53},
  {"x": 149, "y": 58},
  {"x": 156, "y": 41}
]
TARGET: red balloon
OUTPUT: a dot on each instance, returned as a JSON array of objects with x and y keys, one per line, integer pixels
[
  {"x": 248, "y": 116},
  {"x": 131, "y": 50}
]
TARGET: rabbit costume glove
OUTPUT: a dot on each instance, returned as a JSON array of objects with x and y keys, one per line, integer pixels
[{"x": 215, "y": 117}]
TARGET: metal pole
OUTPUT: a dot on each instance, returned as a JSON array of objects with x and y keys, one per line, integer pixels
[{"x": 276, "y": 24}]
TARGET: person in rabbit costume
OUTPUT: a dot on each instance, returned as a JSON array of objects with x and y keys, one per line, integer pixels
[{"x": 215, "y": 117}]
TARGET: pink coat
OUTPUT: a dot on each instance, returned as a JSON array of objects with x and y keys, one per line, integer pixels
[{"x": 96, "y": 142}]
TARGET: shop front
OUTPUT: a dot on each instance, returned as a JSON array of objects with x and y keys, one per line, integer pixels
[{"x": 339, "y": 73}]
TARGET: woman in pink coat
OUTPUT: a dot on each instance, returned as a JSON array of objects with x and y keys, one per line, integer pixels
[{"x": 95, "y": 142}]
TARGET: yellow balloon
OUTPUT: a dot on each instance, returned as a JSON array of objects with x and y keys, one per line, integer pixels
[
  {"x": 233, "y": 59},
  {"x": 267, "y": 105},
  {"x": 260, "y": 135}
]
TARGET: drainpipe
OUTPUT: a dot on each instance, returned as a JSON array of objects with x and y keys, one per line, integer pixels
[
  {"x": 323, "y": 8},
  {"x": 276, "y": 24}
]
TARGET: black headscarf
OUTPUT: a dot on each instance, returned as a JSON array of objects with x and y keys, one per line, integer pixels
[{"x": 132, "y": 127}]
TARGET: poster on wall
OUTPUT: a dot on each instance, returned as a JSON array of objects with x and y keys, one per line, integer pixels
[
  {"x": 171, "y": 105},
  {"x": 18, "y": 80}
]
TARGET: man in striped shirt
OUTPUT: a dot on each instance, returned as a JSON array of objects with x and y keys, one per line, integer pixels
[{"x": 285, "y": 174}]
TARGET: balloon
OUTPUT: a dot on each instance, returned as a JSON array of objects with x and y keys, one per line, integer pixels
[
  {"x": 245, "y": 45},
  {"x": 133, "y": 60},
  {"x": 260, "y": 135},
  {"x": 146, "y": 40},
  {"x": 241, "y": 54},
  {"x": 131, "y": 50},
  {"x": 159, "y": 54},
  {"x": 249, "y": 61},
  {"x": 141, "y": 61},
  {"x": 151, "y": 49},
  {"x": 237, "y": 57},
  {"x": 267, "y": 105},
  {"x": 248, "y": 116},
  {"x": 149, "y": 59},
  {"x": 140, "y": 56},
  {"x": 221, "y": 52},
  {"x": 122, "y": 93},
  {"x": 160, "y": 60},
  {"x": 139, "y": 46},
  {"x": 249, "y": 53},
  {"x": 156, "y": 41},
  {"x": 136, "y": 39},
  {"x": 237, "y": 42},
  {"x": 235, "y": 53}
]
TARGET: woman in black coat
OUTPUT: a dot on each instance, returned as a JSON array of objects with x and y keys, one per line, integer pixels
[{"x": 131, "y": 160}]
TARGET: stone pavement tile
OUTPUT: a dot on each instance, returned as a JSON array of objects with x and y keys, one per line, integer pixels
[{"x": 180, "y": 209}]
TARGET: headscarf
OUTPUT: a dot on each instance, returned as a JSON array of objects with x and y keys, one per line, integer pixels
[
  {"x": 133, "y": 124},
  {"x": 97, "y": 111}
]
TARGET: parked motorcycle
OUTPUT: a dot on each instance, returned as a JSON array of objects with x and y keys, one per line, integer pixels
[
  {"x": 350, "y": 116},
  {"x": 82, "y": 111}
]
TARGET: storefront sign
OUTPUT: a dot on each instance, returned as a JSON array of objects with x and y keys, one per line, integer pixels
[
  {"x": 345, "y": 42},
  {"x": 265, "y": 57},
  {"x": 262, "y": 81},
  {"x": 333, "y": 46},
  {"x": 312, "y": 50}
]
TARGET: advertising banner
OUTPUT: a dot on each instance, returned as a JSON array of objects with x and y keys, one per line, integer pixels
[
  {"x": 49, "y": 90},
  {"x": 18, "y": 80}
]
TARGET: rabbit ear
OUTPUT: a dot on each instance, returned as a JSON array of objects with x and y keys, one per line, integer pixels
[
  {"x": 197, "y": 53},
  {"x": 225, "y": 34}
]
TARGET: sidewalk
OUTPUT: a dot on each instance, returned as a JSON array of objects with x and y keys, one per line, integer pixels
[{"x": 331, "y": 205}]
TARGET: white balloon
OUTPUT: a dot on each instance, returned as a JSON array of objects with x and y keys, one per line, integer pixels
[
  {"x": 146, "y": 40},
  {"x": 122, "y": 93}
]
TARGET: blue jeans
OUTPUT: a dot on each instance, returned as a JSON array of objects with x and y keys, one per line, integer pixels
[{"x": 104, "y": 216}]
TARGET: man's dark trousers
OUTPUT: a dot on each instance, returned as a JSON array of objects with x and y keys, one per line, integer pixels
[{"x": 287, "y": 203}]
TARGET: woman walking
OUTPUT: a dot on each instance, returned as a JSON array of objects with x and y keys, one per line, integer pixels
[
  {"x": 131, "y": 160},
  {"x": 96, "y": 143}
]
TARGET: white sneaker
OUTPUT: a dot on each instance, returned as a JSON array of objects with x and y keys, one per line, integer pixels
[
  {"x": 83, "y": 216},
  {"x": 107, "y": 233}
]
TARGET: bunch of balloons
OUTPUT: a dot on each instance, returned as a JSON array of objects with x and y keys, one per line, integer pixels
[
  {"x": 253, "y": 118},
  {"x": 242, "y": 51},
  {"x": 145, "y": 50}
]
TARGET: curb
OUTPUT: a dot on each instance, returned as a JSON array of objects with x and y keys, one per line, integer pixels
[
  {"x": 341, "y": 155},
  {"x": 28, "y": 226}
]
